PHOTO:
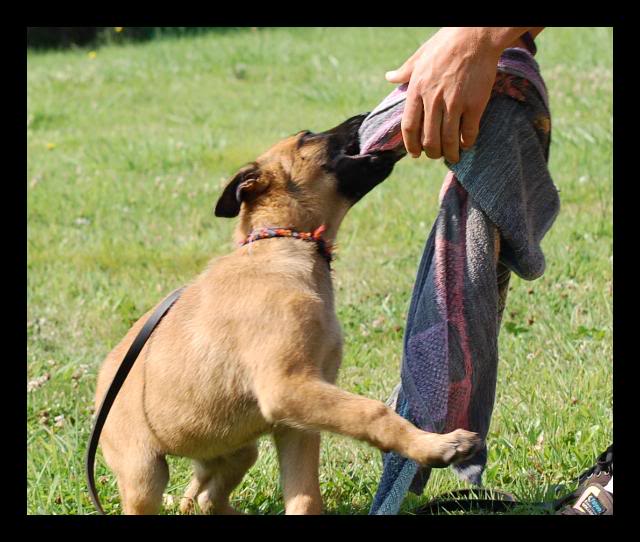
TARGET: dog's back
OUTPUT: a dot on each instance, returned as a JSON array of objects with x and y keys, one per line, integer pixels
[{"x": 194, "y": 378}]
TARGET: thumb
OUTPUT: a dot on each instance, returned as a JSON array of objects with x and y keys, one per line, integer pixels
[{"x": 401, "y": 75}]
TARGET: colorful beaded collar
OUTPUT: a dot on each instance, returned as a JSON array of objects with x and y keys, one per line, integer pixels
[{"x": 324, "y": 247}]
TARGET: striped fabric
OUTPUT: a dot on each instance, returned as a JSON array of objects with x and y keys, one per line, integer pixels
[{"x": 496, "y": 204}]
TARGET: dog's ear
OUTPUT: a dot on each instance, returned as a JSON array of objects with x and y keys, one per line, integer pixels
[{"x": 245, "y": 185}]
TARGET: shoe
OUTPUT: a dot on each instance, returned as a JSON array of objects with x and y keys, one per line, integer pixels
[
  {"x": 598, "y": 475},
  {"x": 602, "y": 471},
  {"x": 594, "y": 501}
]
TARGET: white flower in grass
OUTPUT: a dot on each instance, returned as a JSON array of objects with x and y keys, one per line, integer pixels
[
  {"x": 36, "y": 383},
  {"x": 378, "y": 322}
]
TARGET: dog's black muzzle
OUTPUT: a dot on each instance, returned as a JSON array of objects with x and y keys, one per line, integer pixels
[{"x": 357, "y": 174}]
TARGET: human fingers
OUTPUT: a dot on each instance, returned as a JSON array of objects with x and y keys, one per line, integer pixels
[
  {"x": 431, "y": 142},
  {"x": 469, "y": 127},
  {"x": 450, "y": 135},
  {"x": 411, "y": 124}
]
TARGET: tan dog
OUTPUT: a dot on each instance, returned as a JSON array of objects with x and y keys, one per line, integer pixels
[{"x": 253, "y": 346}]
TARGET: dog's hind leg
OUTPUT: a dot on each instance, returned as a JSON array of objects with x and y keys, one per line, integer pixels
[
  {"x": 191, "y": 493},
  {"x": 215, "y": 479},
  {"x": 299, "y": 456},
  {"x": 141, "y": 481}
]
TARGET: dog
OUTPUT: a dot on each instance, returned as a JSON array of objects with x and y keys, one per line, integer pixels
[{"x": 253, "y": 346}]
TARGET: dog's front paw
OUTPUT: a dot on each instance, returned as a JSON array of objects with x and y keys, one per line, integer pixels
[
  {"x": 459, "y": 445},
  {"x": 443, "y": 450}
]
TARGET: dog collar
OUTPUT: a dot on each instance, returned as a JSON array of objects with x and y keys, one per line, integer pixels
[{"x": 325, "y": 248}]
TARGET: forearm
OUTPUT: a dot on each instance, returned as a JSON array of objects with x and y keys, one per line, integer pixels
[
  {"x": 493, "y": 40},
  {"x": 499, "y": 38}
]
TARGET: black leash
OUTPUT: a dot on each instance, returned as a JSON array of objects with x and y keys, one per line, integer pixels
[
  {"x": 114, "y": 388},
  {"x": 474, "y": 500},
  {"x": 468, "y": 500}
]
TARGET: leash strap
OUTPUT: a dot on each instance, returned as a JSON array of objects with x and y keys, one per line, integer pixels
[
  {"x": 470, "y": 500},
  {"x": 114, "y": 388}
]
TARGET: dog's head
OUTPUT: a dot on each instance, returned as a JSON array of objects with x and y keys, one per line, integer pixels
[{"x": 305, "y": 180}]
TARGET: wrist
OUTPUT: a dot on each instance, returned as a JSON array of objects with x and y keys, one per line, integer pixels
[{"x": 496, "y": 39}]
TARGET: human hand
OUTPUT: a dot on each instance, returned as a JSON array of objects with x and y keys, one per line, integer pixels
[{"x": 450, "y": 80}]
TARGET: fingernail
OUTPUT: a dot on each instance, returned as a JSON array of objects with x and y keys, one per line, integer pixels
[{"x": 390, "y": 74}]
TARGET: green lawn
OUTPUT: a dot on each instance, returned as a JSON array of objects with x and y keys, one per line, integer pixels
[{"x": 127, "y": 150}]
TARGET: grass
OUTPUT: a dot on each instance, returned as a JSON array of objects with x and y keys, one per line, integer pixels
[{"x": 126, "y": 155}]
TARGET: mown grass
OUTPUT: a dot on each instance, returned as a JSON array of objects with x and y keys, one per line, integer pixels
[{"x": 126, "y": 155}]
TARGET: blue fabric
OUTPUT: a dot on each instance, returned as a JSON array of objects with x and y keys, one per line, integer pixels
[{"x": 497, "y": 203}]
